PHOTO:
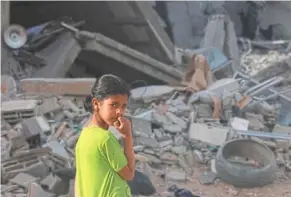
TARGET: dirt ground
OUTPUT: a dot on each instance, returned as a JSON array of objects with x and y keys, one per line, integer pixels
[{"x": 221, "y": 189}]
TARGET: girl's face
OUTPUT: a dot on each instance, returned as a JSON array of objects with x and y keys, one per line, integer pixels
[{"x": 111, "y": 108}]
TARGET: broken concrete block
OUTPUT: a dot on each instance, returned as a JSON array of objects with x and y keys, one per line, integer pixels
[
  {"x": 43, "y": 124},
  {"x": 37, "y": 169},
  {"x": 69, "y": 114},
  {"x": 175, "y": 175},
  {"x": 209, "y": 134},
  {"x": 15, "y": 110},
  {"x": 68, "y": 104},
  {"x": 57, "y": 86},
  {"x": 165, "y": 143},
  {"x": 35, "y": 190},
  {"x": 151, "y": 158},
  {"x": 160, "y": 119},
  {"x": 239, "y": 124},
  {"x": 138, "y": 148},
  {"x": 31, "y": 130},
  {"x": 204, "y": 111},
  {"x": 178, "y": 140},
  {"x": 255, "y": 121},
  {"x": 228, "y": 85},
  {"x": 179, "y": 149},
  {"x": 141, "y": 126},
  {"x": 147, "y": 142},
  {"x": 282, "y": 129},
  {"x": 147, "y": 115},
  {"x": 58, "y": 149},
  {"x": 207, "y": 178},
  {"x": 159, "y": 133},
  {"x": 23, "y": 179},
  {"x": 150, "y": 92},
  {"x": 173, "y": 128},
  {"x": 177, "y": 120},
  {"x": 149, "y": 151},
  {"x": 5, "y": 148},
  {"x": 284, "y": 144},
  {"x": 55, "y": 184},
  {"x": 17, "y": 139},
  {"x": 49, "y": 105},
  {"x": 280, "y": 159}
]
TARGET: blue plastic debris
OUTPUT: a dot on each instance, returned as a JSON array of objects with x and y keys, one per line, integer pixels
[{"x": 214, "y": 56}]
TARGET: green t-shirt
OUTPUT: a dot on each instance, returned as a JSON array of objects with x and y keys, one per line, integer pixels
[{"x": 99, "y": 158}]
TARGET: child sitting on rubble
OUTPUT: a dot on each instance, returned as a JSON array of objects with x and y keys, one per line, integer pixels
[{"x": 102, "y": 168}]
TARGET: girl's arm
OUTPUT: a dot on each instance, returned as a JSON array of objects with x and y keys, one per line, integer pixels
[
  {"x": 75, "y": 188},
  {"x": 127, "y": 172}
]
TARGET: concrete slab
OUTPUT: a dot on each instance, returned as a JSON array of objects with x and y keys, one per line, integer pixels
[
  {"x": 141, "y": 126},
  {"x": 59, "y": 56},
  {"x": 23, "y": 180},
  {"x": 213, "y": 135},
  {"x": 48, "y": 106},
  {"x": 133, "y": 58},
  {"x": 150, "y": 92},
  {"x": 35, "y": 190},
  {"x": 18, "y": 105},
  {"x": 58, "y": 149},
  {"x": 221, "y": 86},
  {"x": 57, "y": 86}
]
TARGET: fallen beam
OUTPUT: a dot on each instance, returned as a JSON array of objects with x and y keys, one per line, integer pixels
[
  {"x": 132, "y": 58},
  {"x": 57, "y": 86}
]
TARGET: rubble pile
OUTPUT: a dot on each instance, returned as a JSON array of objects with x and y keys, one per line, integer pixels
[
  {"x": 172, "y": 133},
  {"x": 176, "y": 129},
  {"x": 38, "y": 137},
  {"x": 256, "y": 62}
]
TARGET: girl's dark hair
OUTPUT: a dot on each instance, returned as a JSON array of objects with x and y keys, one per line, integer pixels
[{"x": 106, "y": 86}]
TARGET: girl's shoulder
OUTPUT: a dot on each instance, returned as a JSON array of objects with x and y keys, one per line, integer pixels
[{"x": 95, "y": 133}]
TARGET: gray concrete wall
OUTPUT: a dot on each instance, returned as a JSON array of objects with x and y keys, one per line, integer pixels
[{"x": 188, "y": 19}]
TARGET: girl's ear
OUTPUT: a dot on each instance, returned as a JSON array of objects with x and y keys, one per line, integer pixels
[{"x": 95, "y": 104}]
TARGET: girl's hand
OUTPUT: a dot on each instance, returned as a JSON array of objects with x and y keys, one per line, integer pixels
[{"x": 123, "y": 125}]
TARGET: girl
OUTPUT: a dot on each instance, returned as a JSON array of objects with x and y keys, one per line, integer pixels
[{"x": 102, "y": 168}]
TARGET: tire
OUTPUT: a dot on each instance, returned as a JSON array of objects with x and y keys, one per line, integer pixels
[{"x": 246, "y": 176}]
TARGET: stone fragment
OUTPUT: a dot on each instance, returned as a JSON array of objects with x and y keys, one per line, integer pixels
[
  {"x": 173, "y": 128},
  {"x": 55, "y": 184},
  {"x": 159, "y": 133},
  {"x": 177, "y": 120},
  {"x": 175, "y": 175},
  {"x": 138, "y": 148},
  {"x": 147, "y": 142},
  {"x": 179, "y": 149},
  {"x": 165, "y": 143},
  {"x": 212, "y": 135},
  {"x": 35, "y": 190},
  {"x": 178, "y": 140},
  {"x": 58, "y": 149},
  {"x": 23, "y": 179},
  {"x": 207, "y": 178},
  {"x": 49, "y": 105},
  {"x": 282, "y": 129},
  {"x": 151, "y": 158}
]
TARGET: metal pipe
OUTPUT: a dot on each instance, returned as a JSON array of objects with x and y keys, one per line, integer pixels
[
  {"x": 264, "y": 134},
  {"x": 279, "y": 80}
]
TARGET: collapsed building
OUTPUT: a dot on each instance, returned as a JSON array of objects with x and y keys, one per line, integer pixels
[{"x": 238, "y": 121}]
